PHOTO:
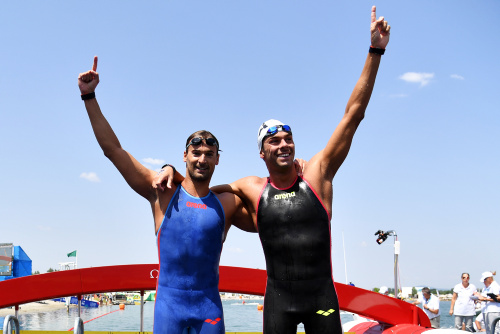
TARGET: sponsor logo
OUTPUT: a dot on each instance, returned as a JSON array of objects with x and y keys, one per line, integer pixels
[
  {"x": 285, "y": 195},
  {"x": 151, "y": 274},
  {"x": 326, "y": 313},
  {"x": 196, "y": 205},
  {"x": 213, "y": 322}
]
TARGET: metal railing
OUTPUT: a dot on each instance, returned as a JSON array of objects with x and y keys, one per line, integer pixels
[
  {"x": 78, "y": 329},
  {"x": 7, "y": 325}
]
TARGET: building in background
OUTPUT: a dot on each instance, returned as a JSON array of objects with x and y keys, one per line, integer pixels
[{"x": 14, "y": 262}]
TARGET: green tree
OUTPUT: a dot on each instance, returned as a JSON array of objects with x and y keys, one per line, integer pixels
[
  {"x": 414, "y": 291},
  {"x": 36, "y": 272},
  {"x": 51, "y": 270},
  {"x": 446, "y": 292}
]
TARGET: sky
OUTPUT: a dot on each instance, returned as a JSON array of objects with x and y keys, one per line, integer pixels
[{"x": 424, "y": 161}]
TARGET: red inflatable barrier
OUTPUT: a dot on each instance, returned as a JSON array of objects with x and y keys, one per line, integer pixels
[{"x": 141, "y": 277}]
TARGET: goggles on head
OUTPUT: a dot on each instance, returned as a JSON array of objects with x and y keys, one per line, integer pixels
[
  {"x": 198, "y": 140},
  {"x": 274, "y": 129}
]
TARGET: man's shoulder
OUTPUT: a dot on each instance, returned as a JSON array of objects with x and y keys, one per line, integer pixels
[
  {"x": 250, "y": 182},
  {"x": 253, "y": 178},
  {"x": 227, "y": 200},
  {"x": 223, "y": 195}
]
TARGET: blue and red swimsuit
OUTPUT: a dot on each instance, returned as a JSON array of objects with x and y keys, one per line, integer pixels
[{"x": 189, "y": 246}]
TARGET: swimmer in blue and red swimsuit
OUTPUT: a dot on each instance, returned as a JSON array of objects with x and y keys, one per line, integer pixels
[
  {"x": 190, "y": 221},
  {"x": 194, "y": 223},
  {"x": 187, "y": 289}
]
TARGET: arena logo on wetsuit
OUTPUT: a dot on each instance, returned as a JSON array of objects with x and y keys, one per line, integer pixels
[
  {"x": 196, "y": 205},
  {"x": 326, "y": 313},
  {"x": 213, "y": 322},
  {"x": 285, "y": 195}
]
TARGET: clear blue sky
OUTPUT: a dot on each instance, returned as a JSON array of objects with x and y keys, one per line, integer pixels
[{"x": 424, "y": 162}]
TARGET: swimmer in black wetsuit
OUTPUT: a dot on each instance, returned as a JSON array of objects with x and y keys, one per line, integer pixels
[
  {"x": 294, "y": 229},
  {"x": 293, "y": 213},
  {"x": 190, "y": 221}
]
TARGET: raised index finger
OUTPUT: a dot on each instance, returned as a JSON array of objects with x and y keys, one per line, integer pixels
[
  {"x": 374, "y": 14},
  {"x": 94, "y": 67}
]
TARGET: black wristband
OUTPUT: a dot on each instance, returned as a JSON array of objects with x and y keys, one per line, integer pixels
[
  {"x": 88, "y": 96},
  {"x": 168, "y": 165},
  {"x": 376, "y": 50}
]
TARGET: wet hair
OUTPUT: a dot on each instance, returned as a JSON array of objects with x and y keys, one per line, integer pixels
[
  {"x": 426, "y": 290},
  {"x": 204, "y": 134}
]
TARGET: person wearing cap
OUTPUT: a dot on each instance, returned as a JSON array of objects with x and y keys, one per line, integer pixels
[
  {"x": 384, "y": 290},
  {"x": 491, "y": 301},
  {"x": 430, "y": 305},
  {"x": 190, "y": 221},
  {"x": 463, "y": 304},
  {"x": 292, "y": 213}
]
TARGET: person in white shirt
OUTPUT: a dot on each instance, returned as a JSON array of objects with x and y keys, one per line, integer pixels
[
  {"x": 462, "y": 305},
  {"x": 491, "y": 297},
  {"x": 430, "y": 305},
  {"x": 384, "y": 290}
]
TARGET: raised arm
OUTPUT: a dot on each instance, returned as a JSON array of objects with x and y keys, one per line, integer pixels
[
  {"x": 328, "y": 161},
  {"x": 136, "y": 175}
]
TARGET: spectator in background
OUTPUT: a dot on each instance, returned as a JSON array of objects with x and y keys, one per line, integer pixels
[
  {"x": 491, "y": 298},
  {"x": 479, "y": 323},
  {"x": 430, "y": 305},
  {"x": 384, "y": 290},
  {"x": 462, "y": 305}
]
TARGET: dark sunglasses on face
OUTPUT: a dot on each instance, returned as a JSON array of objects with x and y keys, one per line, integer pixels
[
  {"x": 198, "y": 140},
  {"x": 465, "y": 277}
]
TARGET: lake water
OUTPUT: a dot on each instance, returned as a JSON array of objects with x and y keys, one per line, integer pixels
[{"x": 238, "y": 318}]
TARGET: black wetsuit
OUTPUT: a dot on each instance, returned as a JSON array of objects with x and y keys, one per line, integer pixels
[{"x": 294, "y": 228}]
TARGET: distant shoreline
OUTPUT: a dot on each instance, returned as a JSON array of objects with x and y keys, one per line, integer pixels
[
  {"x": 50, "y": 305},
  {"x": 242, "y": 298},
  {"x": 35, "y": 307}
]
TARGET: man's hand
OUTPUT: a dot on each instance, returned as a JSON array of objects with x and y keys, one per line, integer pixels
[
  {"x": 380, "y": 31},
  {"x": 164, "y": 178},
  {"x": 300, "y": 166},
  {"x": 87, "y": 82}
]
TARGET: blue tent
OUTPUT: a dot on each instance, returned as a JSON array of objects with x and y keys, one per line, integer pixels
[{"x": 21, "y": 266}]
